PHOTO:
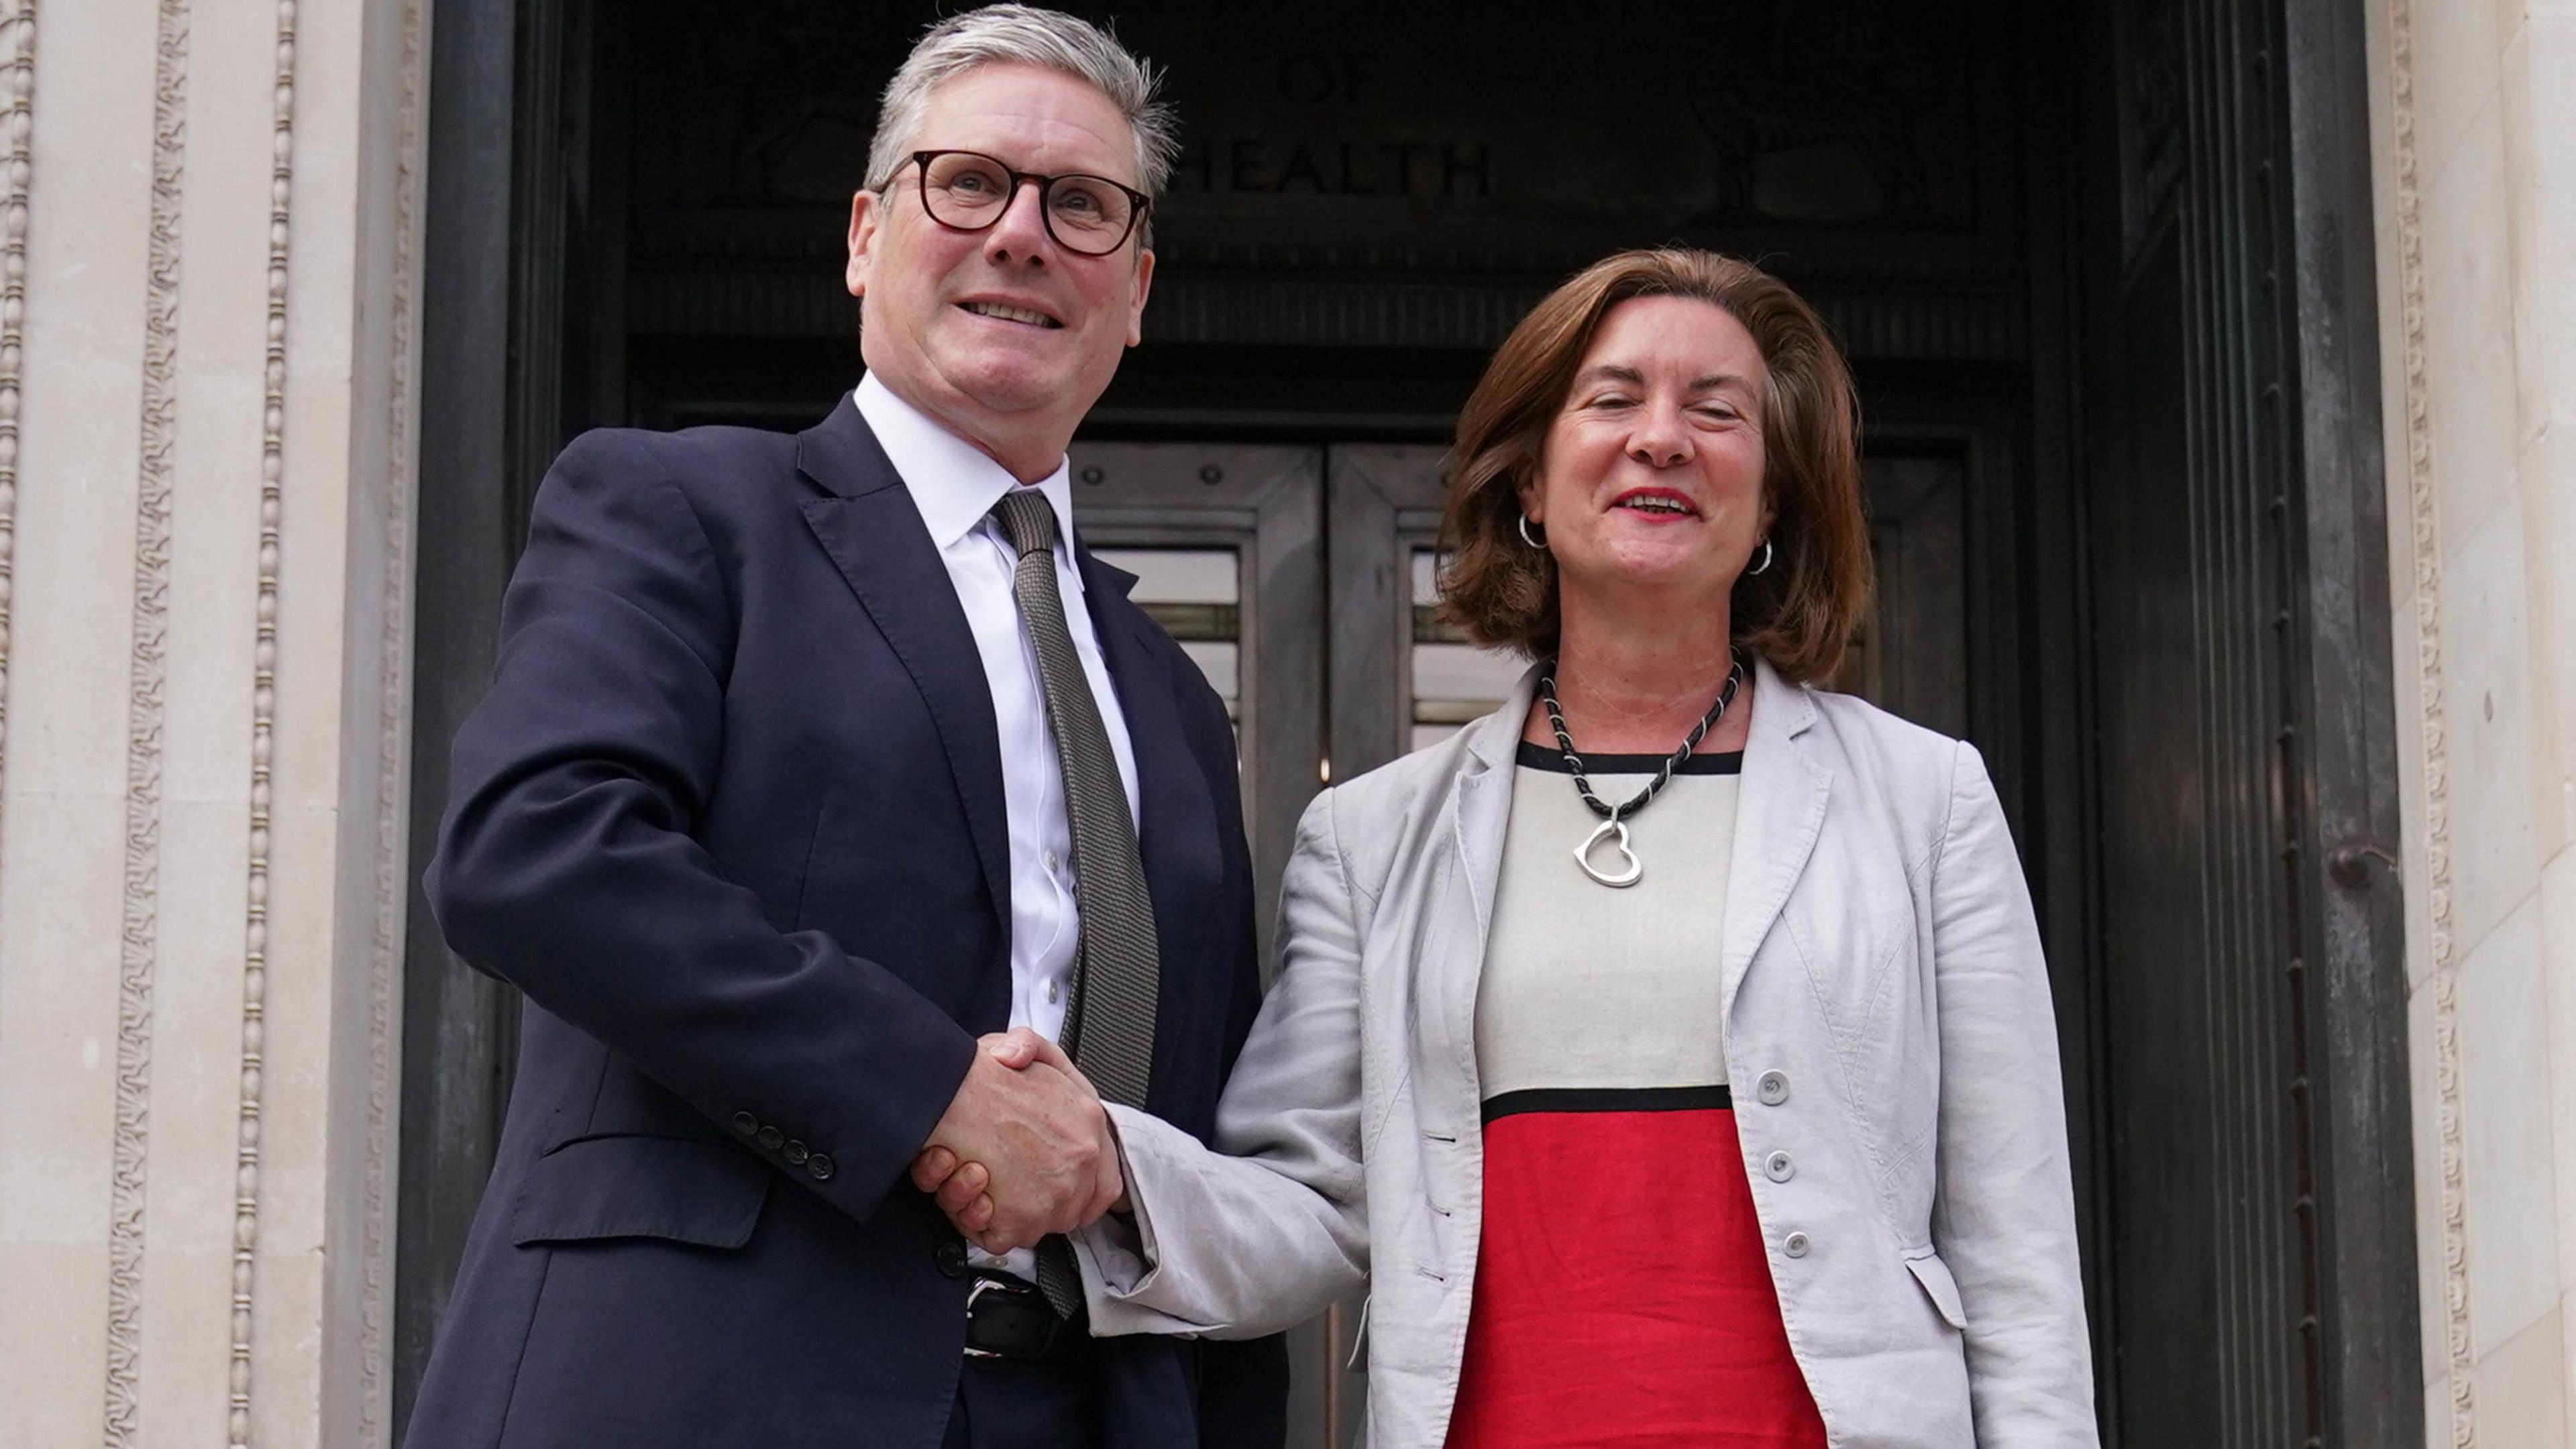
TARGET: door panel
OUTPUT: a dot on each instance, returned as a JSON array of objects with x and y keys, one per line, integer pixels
[
  {"x": 1182, "y": 516},
  {"x": 1224, "y": 541}
]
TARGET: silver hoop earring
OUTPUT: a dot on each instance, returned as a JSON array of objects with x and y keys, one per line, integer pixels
[
  {"x": 1536, "y": 543},
  {"x": 1763, "y": 566}
]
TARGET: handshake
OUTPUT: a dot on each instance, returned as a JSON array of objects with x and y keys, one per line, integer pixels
[{"x": 1025, "y": 1148}]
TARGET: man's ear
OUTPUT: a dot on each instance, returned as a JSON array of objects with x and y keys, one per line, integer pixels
[
  {"x": 867, "y": 210},
  {"x": 1144, "y": 284}
]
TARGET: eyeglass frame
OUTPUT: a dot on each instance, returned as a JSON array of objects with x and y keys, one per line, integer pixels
[{"x": 919, "y": 162}]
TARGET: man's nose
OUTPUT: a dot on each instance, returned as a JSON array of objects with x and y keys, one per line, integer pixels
[{"x": 1021, "y": 233}]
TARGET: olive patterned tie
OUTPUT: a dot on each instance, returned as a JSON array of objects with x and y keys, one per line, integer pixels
[{"x": 1109, "y": 1023}]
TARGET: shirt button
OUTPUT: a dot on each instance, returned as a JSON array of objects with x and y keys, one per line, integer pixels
[
  {"x": 1773, "y": 1088},
  {"x": 1054, "y": 990},
  {"x": 1052, "y": 862},
  {"x": 1795, "y": 1245},
  {"x": 1777, "y": 1167}
]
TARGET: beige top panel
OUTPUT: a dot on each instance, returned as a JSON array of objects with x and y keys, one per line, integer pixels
[{"x": 1586, "y": 985}]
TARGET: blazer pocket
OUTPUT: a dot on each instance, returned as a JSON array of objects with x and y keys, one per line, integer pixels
[
  {"x": 1940, "y": 1287},
  {"x": 678, "y": 1189}
]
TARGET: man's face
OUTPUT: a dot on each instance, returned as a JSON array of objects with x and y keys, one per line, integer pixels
[{"x": 1012, "y": 386}]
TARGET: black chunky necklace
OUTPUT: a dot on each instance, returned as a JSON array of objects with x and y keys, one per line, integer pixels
[{"x": 1614, "y": 825}]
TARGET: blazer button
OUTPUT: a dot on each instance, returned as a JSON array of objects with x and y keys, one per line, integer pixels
[
  {"x": 794, "y": 1152},
  {"x": 771, "y": 1138},
  {"x": 1777, "y": 1167},
  {"x": 1772, "y": 1088},
  {"x": 1795, "y": 1245},
  {"x": 951, "y": 1258},
  {"x": 745, "y": 1124},
  {"x": 819, "y": 1167}
]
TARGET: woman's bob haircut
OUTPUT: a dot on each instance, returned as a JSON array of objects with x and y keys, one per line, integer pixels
[{"x": 1799, "y": 612}]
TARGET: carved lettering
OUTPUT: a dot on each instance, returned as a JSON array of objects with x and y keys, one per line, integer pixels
[
  {"x": 1462, "y": 164},
  {"x": 1255, "y": 165},
  {"x": 1245, "y": 173},
  {"x": 1197, "y": 158},
  {"x": 1350, "y": 181},
  {"x": 1306, "y": 80},
  {"x": 1301, "y": 167},
  {"x": 1312, "y": 78},
  {"x": 1403, "y": 154}
]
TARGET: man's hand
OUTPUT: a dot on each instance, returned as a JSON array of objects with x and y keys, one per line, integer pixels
[{"x": 1025, "y": 1148}]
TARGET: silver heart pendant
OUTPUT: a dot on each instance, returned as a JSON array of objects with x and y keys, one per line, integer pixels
[{"x": 1617, "y": 832}]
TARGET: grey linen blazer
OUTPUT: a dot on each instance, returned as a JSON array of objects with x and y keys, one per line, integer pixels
[{"x": 1882, "y": 983}]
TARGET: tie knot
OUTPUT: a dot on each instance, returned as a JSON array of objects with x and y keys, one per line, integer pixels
[{"x": 1028, "y": 520}]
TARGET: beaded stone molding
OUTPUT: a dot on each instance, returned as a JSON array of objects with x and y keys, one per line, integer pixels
[
  {"x": 146, "y": 676},
  {"x": 263, "y": 738},
  {"x": 393, "y": 726},
  {"x": 18, "y": 102},
  {"x": 2424, "y": 518}
]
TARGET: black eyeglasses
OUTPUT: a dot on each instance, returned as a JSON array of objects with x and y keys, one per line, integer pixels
[{"x": 969, "y": 191}]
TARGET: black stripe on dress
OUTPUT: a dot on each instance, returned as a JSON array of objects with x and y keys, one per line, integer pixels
[{"x": 1610, "y": 1099}]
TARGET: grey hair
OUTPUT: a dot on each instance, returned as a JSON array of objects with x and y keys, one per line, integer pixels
[{"x": 1026, "y": 35}]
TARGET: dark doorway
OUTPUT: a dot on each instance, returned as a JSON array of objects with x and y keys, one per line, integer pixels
[{"x": 2122, "y": 474}]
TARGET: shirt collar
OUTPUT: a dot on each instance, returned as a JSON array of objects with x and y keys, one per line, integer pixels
[{"x": 953, "y": 483}]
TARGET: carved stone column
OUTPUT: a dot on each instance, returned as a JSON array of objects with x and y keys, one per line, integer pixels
[{"x": 207, "y": 274}]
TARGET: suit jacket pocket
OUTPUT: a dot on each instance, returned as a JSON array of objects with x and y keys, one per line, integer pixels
[{"x": 679, "y": 1189}]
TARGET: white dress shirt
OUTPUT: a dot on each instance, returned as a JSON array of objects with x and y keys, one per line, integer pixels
[{"x": 955, "y": 486}]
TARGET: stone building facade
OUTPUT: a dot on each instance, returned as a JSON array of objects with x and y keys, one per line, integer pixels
[{"x": 2474, "y": 146}]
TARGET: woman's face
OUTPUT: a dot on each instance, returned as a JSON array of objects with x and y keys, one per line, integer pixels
[{"x": 1651, "y": 478}]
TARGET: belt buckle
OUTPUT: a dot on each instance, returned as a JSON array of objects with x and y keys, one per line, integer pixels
[{"x": 974, "y": 1293}]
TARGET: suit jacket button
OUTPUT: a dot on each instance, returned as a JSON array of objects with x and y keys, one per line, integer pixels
[
  {"x": 1795, "y": 1245},
  {"x": 951, "y": 1258},
  {"x": 1772, "y": 1088},
  {"x": 771, "y": 1138},
  {"x": 794, "y": 1152},
  {"x": 1778, "y": 1168},
  {"x": 745, "y": 1124},
  {"x": 819, "y": 1167}
]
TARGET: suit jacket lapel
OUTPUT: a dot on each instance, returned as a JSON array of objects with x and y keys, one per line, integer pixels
[
  {"x": 875, "y": 536},
  {"x": 1176, "y": 820},
  {"x": 1778, "y": 813}
]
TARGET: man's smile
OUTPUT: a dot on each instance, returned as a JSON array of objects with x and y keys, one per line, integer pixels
[{"x": 1009, "y": 312}]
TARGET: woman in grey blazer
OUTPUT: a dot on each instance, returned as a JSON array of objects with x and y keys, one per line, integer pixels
[{"x": 1669, "y": 1052}]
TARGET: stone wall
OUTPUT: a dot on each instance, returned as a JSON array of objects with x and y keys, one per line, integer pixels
[
  {"x": 205, "y": 358},
  {"x": 2474, "y": 106}
]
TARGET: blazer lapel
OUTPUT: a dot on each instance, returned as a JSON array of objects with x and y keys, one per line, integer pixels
[
  {"x": 1482, "y": 817},
  {"x": 1176, "y": 825},
  {"x": 875, "y": 537},
  {"x": 1778, "y": 812}
]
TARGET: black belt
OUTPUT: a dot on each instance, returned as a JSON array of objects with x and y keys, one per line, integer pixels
[{"x": 1008, "y": 1318}]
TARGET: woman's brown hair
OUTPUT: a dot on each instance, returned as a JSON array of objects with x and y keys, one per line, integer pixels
[{"x": 1798, "y": 613}]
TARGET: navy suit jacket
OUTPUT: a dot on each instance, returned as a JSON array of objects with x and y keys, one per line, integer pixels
[{"x": 731, "y": 817}]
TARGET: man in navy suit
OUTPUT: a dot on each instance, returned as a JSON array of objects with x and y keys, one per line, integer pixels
[{"x": 810, "y": 762}]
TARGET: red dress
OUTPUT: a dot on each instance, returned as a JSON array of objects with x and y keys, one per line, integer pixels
[
  {"x": 1622, "y": 1296},
  {"x": 1603, "y": 1316}
]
